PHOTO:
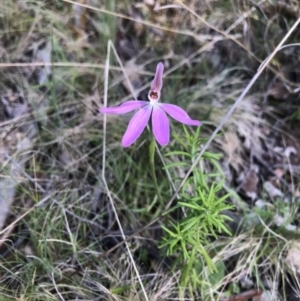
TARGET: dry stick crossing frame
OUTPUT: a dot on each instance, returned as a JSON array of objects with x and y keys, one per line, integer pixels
[{"x": 223, "y": 121}]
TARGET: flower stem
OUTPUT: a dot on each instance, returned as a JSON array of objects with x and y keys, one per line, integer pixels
[{"x": 152, "y": 167}]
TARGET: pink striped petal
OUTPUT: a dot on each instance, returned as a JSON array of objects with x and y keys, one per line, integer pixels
[
  {"x": 179, "y": 114},
  {"x": 157, "y": 82},
  {"x": 125, "y": 107},
  {"x": 160, "y": 126},
  {"x": 136, "y": 125}
]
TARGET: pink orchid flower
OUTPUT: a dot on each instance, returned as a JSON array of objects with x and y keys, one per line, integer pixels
[{"x": 151, "y": 109}]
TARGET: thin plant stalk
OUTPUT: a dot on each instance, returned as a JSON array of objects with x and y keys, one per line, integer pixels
[{"x": 152, "y": 168}]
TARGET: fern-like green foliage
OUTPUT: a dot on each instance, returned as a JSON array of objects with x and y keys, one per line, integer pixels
[{"x": 202, "y": 199}]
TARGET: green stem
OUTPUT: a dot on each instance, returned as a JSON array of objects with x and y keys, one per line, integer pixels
[{"x": 152, "y": 167}]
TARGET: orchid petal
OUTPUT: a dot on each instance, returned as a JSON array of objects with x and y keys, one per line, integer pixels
[
  {"x": 160, "y": 126},
  {"x": 157, "y": 82},
  {"x": 179, "y": 114},
  {"x": 125, "y": 107},
  {"x": 136, "y": 125}
]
